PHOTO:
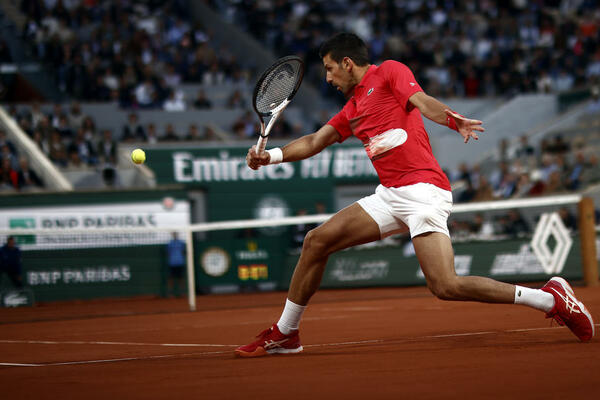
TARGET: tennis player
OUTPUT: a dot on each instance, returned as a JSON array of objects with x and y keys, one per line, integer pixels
[{"x": 384, "y": 110}]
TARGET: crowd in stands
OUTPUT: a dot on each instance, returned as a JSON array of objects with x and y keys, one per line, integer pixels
[
  {"x": 134, "y": 53},
  {"x": 15, "y": 173},
  {"x": 454, "y": 47},
  {"x": 557, "y": 166},
  {"x": 72, "y": 141},
  {"x": 509, "y": 225}
]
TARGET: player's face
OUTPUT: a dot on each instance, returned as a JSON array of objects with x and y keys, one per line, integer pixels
[{"x": 338, "y": 76}]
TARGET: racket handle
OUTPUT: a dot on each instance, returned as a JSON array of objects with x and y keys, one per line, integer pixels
[{"x": 261, "y": 144}]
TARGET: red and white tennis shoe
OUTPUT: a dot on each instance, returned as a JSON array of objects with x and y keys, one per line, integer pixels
[
  {"x": 271, "y": 341},
  {"x": 568, "y": 310}
]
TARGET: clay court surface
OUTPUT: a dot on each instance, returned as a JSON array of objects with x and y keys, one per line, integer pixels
[{"x": 363, "y": 343}]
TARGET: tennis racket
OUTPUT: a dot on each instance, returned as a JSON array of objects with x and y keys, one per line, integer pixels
[{"x": 274, "y": 91}]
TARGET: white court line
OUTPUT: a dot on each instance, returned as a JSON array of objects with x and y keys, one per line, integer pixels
[
  {"x": 461, "y": 334},
  {"x": 20, "y": 365},
  {"x": 345, "y": 343},
  {"x": 110, "y": 360},
  {"x": 360, "y": 342},
  {"x": 118, "y": 343}
]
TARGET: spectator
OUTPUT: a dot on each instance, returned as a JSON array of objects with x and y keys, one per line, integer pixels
[
  {"x": 201, "y": 101},
  {"x": 75, "y": 162},
  {"x": 10, "y": 262},
  {"x": 26, "y": 177},
  {"x": 36, "y": 114},
  {"x": 76, "y": 117},
  {"x": 245, "y": 126},
  {"x": 236, "y": 100},
  {"x": 193, "y": 133},
  {"x": 5, "y": 142},
  {"x": 6, "y": 154},
  {"x": 145, "y": 94},
  {"x": 172, "y": 78},
  {"x": 210, "y": 134},
  {"x": 480, "y": 227},
  {"x": 170, "y": 134},
  {"x": 107, "y": 148},
  {"x": 514, "y": 225},
  {"x": 109, "y": 177},
  {"x": 8, "y": 176},
  {"x": 58, "y": 150},
  {"x": 573, "y": 178},
  {"x": 174, "y": 102},
  {"x": 568, "y": 219},
  {"x": 558, "y": 146},
  {"x": 41, "y": 141},
  {"x": 84, "y": 148},
  {"x": 523, "y": 186},
  {"x": 591, "y": 173},
  {"x": 89, "y": 128},
  {"x": 467, "y": 194},
  {"x": 63, "y": 127},
  {"x": 484, "y": 191},
  {"x": 554, "y": 184},
  {"x": 214, "y": 76},
  {"x": 176, "y": 256},
  {"x": 593, "y": 106},
  {"x": 133, "y": 131},
  {"x": 525, "y": 150},
  {"x": 152, "y": 135}
]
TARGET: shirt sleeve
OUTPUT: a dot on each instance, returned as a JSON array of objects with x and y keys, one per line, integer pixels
[
  {"x": 401, "y": 81},
  {"x": 341, "y": 124}
]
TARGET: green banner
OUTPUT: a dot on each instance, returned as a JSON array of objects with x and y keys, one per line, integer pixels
[
  {"x": 250, "y": 264},
  {"x": 509, "y": 260},
  {"x": 209, "y": 166},
  {"x": 234, "y": 191},
  {"x": 94, "y": 273}
]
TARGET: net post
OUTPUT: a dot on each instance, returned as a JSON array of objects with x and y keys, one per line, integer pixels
[
  {"x": 587, "y": 234},
  {"x": 191, "y": 284}
]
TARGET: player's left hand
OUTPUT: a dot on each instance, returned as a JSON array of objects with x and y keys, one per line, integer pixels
[{"x": 467, "y": 128}]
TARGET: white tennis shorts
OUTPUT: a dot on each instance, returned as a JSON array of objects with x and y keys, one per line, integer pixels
[{"x": 421, "y": 207}]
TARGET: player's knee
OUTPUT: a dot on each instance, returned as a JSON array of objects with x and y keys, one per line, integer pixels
[
  {"x": 315, "y": 242},
  {"x": 448, "y": 289}
]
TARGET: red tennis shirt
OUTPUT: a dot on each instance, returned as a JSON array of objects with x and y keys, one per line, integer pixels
[{"x": 390, "y": 128}]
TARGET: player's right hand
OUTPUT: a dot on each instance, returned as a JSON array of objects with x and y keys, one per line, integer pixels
[{"x": 255, "y": 161}]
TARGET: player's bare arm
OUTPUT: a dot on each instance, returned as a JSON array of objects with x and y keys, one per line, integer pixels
[
  {"x": 299, "y": 149},
  {"x": 439, "y": 112}
]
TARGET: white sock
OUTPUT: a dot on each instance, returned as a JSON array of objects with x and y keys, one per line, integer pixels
[
  {"x": 535, "y": 298},
  {"x": 290, "y": 318}
]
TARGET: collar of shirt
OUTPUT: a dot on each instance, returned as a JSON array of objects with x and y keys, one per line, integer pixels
[{"x": 358, "y": 90}]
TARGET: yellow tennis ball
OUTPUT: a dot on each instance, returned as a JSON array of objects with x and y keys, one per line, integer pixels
[{"x": 138, "y": 156}]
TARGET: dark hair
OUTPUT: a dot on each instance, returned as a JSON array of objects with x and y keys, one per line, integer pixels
[{"x": 345, "y": 45}]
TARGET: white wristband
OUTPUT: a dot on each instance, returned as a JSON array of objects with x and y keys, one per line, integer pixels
[{"x": 276, "y": 155}]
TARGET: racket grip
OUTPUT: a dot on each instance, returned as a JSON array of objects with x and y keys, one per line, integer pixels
[{"x": 261, "y": 144}]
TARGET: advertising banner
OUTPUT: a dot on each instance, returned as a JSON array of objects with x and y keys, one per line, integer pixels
[{"x": 119, "y": 215}]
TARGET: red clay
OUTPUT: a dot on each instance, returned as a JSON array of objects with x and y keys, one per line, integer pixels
[{"x": 364, "y": 343}]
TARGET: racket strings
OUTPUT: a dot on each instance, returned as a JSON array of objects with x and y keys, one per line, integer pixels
[{"x": 278, "y": 85}]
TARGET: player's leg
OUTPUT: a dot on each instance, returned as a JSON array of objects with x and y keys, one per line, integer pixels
[
  {"x": 556, "y": 298},
  {"x": 349, "y": 227},
  {"x": 436, "y": 257}
]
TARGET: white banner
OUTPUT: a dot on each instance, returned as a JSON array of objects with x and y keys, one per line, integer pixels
[{"x": 151, "y": 215}]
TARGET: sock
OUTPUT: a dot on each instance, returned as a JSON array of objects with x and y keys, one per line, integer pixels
[
  {"x": 290, "y": 318},
  {"x": 535, "y": 298}
]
